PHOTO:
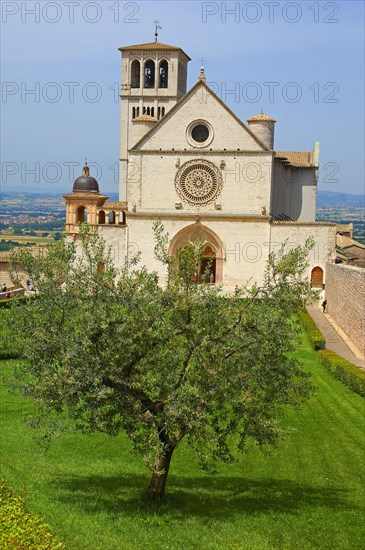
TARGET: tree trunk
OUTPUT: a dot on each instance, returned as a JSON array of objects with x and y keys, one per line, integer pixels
[{"x": 156, "y": 489}]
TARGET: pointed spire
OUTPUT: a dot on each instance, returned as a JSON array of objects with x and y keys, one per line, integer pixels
[{"x": 202, "y": 74}]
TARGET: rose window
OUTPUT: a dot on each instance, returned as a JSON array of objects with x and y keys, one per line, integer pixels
[{"x": 198, "y": 182}]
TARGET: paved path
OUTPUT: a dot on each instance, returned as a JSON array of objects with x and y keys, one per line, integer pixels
[{"x": 336, "y": 339}]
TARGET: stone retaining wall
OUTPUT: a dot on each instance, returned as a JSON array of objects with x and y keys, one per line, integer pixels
[{"x": 345, "y": 295}]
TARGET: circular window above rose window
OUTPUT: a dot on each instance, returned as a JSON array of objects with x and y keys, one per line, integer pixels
[{"x": 199, "y": 134}]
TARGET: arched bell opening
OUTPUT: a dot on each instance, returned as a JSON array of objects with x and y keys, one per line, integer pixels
[
  {"x": 112, "y": 217},
  {"x": 135, "y": 74},
  {"x": 163, "y": 74},
  {"x": 101, "y": 217},
  {"x": 149, "y": 74}
]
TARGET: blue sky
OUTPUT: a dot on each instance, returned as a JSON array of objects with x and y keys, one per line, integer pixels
[{"x": 301, "y": 62}]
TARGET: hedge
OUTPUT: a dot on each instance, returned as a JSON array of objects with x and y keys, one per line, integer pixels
[
  {"x": 5, "y": 304},
  {"x": 343, "y": 370},
  {"x": 19, "y": 528},
  {"x": 19, "y": 300},
  {"x": 316, "y": 337}
]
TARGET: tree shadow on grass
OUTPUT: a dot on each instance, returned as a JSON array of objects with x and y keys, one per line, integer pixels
[{"x": 221, "y": 497}]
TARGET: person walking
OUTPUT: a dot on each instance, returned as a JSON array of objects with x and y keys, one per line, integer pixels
[{"x": 324, "y": 306}]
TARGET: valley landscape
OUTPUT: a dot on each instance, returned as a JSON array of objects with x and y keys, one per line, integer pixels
[{"x": 28, "y": 219}]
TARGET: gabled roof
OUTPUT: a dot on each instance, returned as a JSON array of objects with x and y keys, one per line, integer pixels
[
  {"x": 185, "y": 97},
  {"x": 153, "y": 46},
  {"x": 301, "y": 159}
]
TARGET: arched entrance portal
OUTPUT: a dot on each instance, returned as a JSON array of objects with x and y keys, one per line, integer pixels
[
  {"x": 317, "y": 277},
  {"x": 208, "y": 266},
  {"x": 211, "y": 266}
]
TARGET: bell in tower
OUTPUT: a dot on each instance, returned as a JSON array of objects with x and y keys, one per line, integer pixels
[
  {"x": 164, "y": 74},
  {"x": 149, "y": 74}
]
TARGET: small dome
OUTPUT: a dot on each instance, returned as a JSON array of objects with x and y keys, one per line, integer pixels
[
  {"x": 261, "y": 117},
  {"x": 144, "y": 118},
  {"x": 85, "y": 183}
]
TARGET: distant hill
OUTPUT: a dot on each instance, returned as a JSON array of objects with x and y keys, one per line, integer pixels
[
  {"x": 331, "y": 199},
  {"x": 325, "y": 199},
  {"x": 18, "y": 192}
]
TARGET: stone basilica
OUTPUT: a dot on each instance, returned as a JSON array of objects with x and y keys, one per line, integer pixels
[{"x": 188, "y": 160}]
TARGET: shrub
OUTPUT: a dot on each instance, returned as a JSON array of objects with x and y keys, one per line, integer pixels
[
  {"x": 343, "y": 370},
  {"x": 316, "y": 337},
  {"x": 20, "y": 529},
  {"x": 8, "y": 346}
]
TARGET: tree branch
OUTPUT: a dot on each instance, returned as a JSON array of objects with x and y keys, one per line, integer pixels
[
  {"x": 184, "y": 371},
  {"x": 139, "y": 395}
]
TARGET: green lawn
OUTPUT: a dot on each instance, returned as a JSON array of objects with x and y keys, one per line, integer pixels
[{"x": 306, "y": 494}]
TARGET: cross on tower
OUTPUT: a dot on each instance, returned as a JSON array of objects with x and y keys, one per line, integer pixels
[
  {"x": 202, "y": 61},
  {"x": 157, "y": 27}
]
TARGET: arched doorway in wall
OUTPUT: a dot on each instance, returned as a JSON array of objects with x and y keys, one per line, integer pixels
[
  {"x": 213, "y": 254},
  {"x": 208, "y": 265},
  {"x": 317, "y": 277}
]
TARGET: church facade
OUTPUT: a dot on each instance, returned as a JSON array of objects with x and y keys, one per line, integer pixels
[{"x": 188, "y": 160}]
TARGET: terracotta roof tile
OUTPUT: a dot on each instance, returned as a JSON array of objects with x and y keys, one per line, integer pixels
[
  {"x": 345, "y": 242},
  {"x": 144, "y": 118},
  {"x": 297, "y": 158},
  {"x": 261, "y": 117}
]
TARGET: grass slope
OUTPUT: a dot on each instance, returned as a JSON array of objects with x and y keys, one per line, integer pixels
[{"x": 306, "y": 494}]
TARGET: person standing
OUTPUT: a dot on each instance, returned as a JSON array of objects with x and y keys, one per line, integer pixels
[{"x": 324, "y": 306}]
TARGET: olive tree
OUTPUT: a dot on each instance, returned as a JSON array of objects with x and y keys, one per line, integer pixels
[{"x": 114, "y": 350}]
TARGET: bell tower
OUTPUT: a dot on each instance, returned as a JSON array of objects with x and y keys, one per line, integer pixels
[{"x": 154, "y": 78}]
